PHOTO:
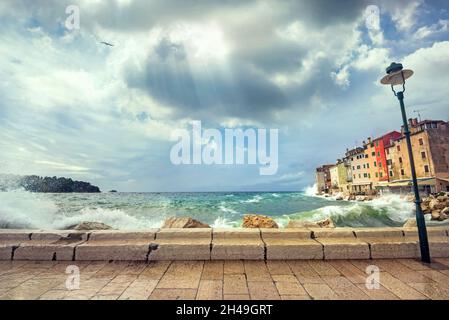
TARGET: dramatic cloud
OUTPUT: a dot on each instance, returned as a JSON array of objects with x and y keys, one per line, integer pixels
[{"x": 76, "y": 107}]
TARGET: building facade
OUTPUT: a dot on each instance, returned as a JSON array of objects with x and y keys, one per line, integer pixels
[
  {"x": 430, "y": 145},
  {"x": 323, "y": 178},
  {"x": 361, "y": 178}
]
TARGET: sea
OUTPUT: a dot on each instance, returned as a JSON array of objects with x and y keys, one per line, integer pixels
[{"x": 132, "y": 211}]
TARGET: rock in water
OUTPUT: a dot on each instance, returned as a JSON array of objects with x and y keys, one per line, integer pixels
[
  {"x": 326, "y": 223},
  {"x": 258, "y": 221},
  {"x": 89, "y": 225},
  {"x": 183, "y": 222},
  {"x": 410, "y": 223}
]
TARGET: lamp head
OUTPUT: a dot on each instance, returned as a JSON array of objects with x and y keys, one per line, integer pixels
[{"x": 396, "y": 75}]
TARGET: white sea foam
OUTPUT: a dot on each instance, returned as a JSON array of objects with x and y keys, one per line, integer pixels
[
  {"x": 222, "y": 222},
  {"x": 311, "y": 191},
  {"x": 255, "y": 199},
  {"x": 226, "y": 210},
  {"x": 20, "y": 209}
]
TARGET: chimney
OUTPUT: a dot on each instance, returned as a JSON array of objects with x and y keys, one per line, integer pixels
[
  {"x": 369, "y": 140},
  {"x": 415, "y": 122}
]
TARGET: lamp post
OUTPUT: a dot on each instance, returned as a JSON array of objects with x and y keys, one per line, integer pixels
[{"x": 396, "y": 75}]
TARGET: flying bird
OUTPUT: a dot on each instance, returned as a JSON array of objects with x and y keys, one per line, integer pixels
[{"x": 107, "y": 43}]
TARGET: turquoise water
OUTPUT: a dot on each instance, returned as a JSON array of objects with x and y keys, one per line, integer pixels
[{"x": 145, "y": 210}]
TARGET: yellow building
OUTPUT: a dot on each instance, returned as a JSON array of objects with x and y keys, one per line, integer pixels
[{"x": 430, "y": 145}]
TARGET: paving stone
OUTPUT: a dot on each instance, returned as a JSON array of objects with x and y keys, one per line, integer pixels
[
  {"x": 377, "y": 294},
  {"x": 233, "y": 267},
  {"x": 295, "y": 297},
  {"x": 235, "y": 284},
  {"x": 320, "y": 291},
  {"x": 213, "y": 270},
  {"x": 257, "y": 271},
  {"x": 139, "y": 289},
  {"x": 290, "y": 288},
  {"x": 182, "y": 275},
  {"x": 155, "y": 270},
  {"x": 304, "y": 272},
  {"x": 210, "y": 290},
  {"x": 231, "y": 244},
  {"x": 291, "y": 244},
  {"x": 182, "y": 244},
  {"x": 400, "y": 271},
  {"x": 236, "y": 297},
  {"x": 323, "y": 268},
  {"x": 173, "y": 294},
  {"x": 399, "y": 288},
  {"x": 263, "y": 290},
  {"x": 432, "y": 290},
  {"x": 278, "y": 267},
  {"x": 351, "y": 272},
  {"x": 344, "y": 288}
]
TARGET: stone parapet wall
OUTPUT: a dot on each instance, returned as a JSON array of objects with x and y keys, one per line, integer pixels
[{"x": 220, "y": 244}]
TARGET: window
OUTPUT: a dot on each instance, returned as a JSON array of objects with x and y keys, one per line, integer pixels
[
  {"x": 367, "y": 165},
  {"x": 373, "y": 153},
  {"x": 358, "y": 167},
  {"x": 421, "y": 142},
  {"x": 389, "y": 162},
  {"x": 377, "y": 143},
  {"x": 366, "y": 156},
  {"x": 388, "y": 151},
  {"x": 375, "y": 164},
  {"x": 426, "y": 169},
  {"x": 380, "y": 164},
  {"x": 353, "y": 167},
  {"x": 364, "y": 167},
  {"x": 360, "y": 176},
  {"x": 391, "y": 173},
  {"x": 369, "y": 175},
  {"x": 378, "y": 153},
  {"x": 365, "y": 175},
  {"x": 400, "y": 160},
  {"x": 399, "y": 148},
  {"x": 380, "y": 174},
  {"x": 402, "y": 172},
  {"x": 354, "y": 176},
  {"x": 423, "y": 155},
  {"x": 377, "y": 175}
]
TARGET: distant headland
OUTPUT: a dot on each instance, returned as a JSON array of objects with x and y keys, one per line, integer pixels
[{"x": 35, "y": 183}]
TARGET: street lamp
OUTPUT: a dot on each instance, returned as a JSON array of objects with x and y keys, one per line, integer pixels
[{"x": 396, "y": 75}]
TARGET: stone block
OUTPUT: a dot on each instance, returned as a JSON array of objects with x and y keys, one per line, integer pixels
[
  {"x": 438, "y": 240},
  {"x": 378, "y": 232},
  {"x": 125, "y": 235},
  {"x": 236, "y": 244},
  {"x": 291, "y": 244},
  {"x": 333, "y": 233},
  {"x": 182, "y": 244},
  {"x": 344, "y": 248},
  {"x": 48, "y": 245},
  {"x": 399, "y": 247},
  {"x": 116, "y": 245},
  {"x": 105, "y": 250}
]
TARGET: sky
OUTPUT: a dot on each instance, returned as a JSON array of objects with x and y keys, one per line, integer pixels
[{"x": 72, "y": 106}]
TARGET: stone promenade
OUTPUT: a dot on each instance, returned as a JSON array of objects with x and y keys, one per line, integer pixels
[{"x": 229, "y": 279}]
